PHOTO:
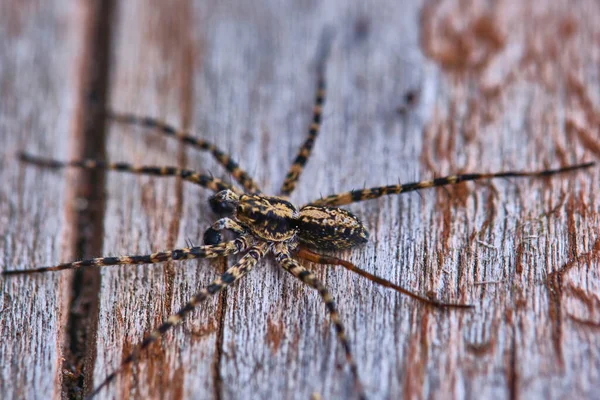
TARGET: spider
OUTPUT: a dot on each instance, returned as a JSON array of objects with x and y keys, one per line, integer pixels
[{"x": 264, "y": 224}]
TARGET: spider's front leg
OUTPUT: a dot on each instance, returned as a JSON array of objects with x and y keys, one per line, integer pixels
[
  {"x": 184, "y": 137},
  {"x": 214, "y": 184}
]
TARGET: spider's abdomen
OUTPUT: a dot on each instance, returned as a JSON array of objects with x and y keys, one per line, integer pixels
[
  {"x": 329, "y": 228},
  {"x": 269, "y": 218}
]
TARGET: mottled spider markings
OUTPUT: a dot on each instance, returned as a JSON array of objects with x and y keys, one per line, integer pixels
[{"x": 264, "y": 224}]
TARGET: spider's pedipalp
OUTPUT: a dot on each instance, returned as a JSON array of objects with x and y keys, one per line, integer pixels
[
  {"x": 183, "y": 136},
  {"x": 230, "y": 276},
  {"x": 321, "y": 259},
  {"x": 186, "y": 253},
  {"x": 212, "y": 235},
  {"x": 203, "y": 180},
  {"x": 355, "y": 196},
  {"x": 292, "y": 266}
]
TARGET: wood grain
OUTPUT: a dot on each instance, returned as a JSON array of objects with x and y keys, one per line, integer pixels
[{"x": 416, "y": 90}]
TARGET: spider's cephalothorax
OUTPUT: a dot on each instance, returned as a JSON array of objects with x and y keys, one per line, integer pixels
[
  {"x": 264, "y": 224},
  {"x": 275, "y": 219},
  {"x": 267, "y": 217}
]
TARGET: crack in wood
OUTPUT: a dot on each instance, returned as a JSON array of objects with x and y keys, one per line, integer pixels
[
  {"x": 219, "y": 353},
  {"x": 85, "y": 204}
]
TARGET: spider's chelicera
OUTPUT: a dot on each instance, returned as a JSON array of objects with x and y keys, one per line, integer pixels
[{"x": 264, "y": 224}]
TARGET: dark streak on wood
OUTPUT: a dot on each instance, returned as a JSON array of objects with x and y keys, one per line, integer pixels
[
  {"x": 219, "y": 343},
  {"x": 512, "y": 367},
  {"x": 85, "y": 199}
]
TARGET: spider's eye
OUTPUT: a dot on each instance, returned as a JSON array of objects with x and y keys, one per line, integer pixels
[
  {"x": 239, "y": 209},
  {"x": 220, "y": 207},
  {"x": 224, "y": 202}
]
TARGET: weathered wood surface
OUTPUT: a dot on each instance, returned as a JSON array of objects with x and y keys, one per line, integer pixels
[{"x": 511, "y": 86}]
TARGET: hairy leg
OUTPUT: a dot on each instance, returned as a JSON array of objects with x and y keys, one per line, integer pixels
[
  {"x": 203, "y": 180},
  {"x": 292, "y": 266},
  {"x": 183, "y": 136},
  {"x": 187, "y": 253},
  {"x": 295, "y": 170}
]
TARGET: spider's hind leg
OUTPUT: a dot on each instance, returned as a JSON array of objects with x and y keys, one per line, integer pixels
[
  {"x": 355, "y": 196},
  {"x": 321, "y": 259}
]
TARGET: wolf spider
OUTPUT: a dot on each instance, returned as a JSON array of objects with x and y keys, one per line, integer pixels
[{"x": 264, "y": 224}]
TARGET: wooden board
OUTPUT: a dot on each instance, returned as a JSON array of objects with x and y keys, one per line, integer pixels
[{"x": 415, "y": 91}]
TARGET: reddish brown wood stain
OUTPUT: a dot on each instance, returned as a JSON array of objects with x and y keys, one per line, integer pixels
[
  {"x": 275, "y": 334},
  {"x": 587, "y": 138},
  {"x": 460, "y": 51},
  {"x": 465, "y": 41},
  {"x": 205, "y": 329},
  {"x": 416, "y": 360}
]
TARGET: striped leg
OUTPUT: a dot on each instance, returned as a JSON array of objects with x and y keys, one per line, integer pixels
[
  {"x": 232, "y": 274},
  {"x": 289, "y": 264},
  {"x": 213, "y": 234},
  {"x": 214, "y": 184},
  {"x": 355, "y": 196},
  {"x": 293, "y": 175},
  {"x": 225, "y": 160},
  {"x": 187, "y": 253},
  {"x": 321, "y": 259}
]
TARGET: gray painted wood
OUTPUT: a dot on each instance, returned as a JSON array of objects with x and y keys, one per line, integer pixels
[{"x": 511, "y": 86}]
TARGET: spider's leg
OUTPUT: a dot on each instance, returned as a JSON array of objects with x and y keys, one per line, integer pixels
[
  {"x": 183, "y": 136},
  {"x": 292, "y": 266},
  {"x": 186, "y": 253},
  {"x": 213, "y": 235},
  {"x": 321, "y": 259},
  {"x": 295, "y": 170},
  {"x": 355, "y": 196},
  {"x": 214, "y": 184},
  {"x": 241, "y": 268}
]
